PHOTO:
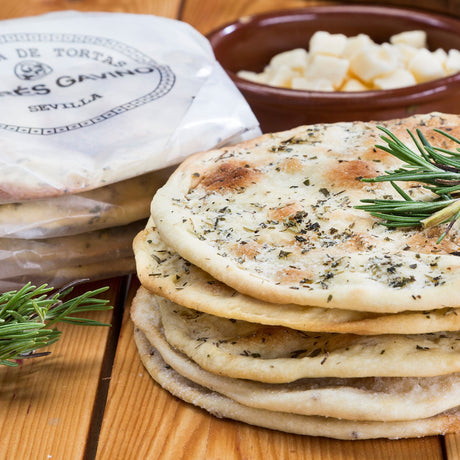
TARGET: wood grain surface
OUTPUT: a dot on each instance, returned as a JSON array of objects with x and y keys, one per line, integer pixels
[
  {"x": 92, "y": 398},
  {"x": 47, "y": 402}
]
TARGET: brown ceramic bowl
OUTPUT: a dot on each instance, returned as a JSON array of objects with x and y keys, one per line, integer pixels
[{"x": 250, "y": 42}]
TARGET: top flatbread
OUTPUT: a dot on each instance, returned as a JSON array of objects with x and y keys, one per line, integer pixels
[{"x": 274, "y": 218}]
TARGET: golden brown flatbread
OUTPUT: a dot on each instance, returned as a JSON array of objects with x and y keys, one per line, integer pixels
[
  {"x": 222, "y": 406},
  {"x": 28, "y": 257},
  {"x": 162, "y": 271},
  {"x": 372, "y": 399},
  {"x": 275, "y": 218},
  {"x": 275, "y": 354}
]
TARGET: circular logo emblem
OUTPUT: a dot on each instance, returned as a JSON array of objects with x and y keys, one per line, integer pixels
[{"x": 31, "y": 70}]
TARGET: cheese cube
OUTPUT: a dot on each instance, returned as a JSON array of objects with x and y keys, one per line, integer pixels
[
  {"x": 280, "y": 76},
  {"x": 252, "y": 76},
  {"x": 452, "y": 63},
  {"x": 441, "y": 55},
  {"x": 356, "y": 44},
  {"x": 425, "y": 66},
  {"x": 405, "y": 53},
  {"x": 352, "y": 84},
  {"x": 295, "y": 59},
  {"x": 323, "y": 42},
  {"x": 397, "y": 79},
  {"x": 328, "y": 68},
  {"x": 357, "y": 63},
  {"x": 311, "y": 85},
  {"x": 372, "y": 62},
  {"x": 415, "y": 38}
]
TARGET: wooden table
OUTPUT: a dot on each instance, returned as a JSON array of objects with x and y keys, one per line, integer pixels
[{"x": 92, "y": 398}]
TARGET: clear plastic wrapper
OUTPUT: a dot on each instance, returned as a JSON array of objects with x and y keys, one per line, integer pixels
[
  {"x": 30, "y": 258},
  {"x": 119, "y": 266},
  {"x": 96, "y": 109},
  {"x": 89, "y": 99},
  {"x": 113, "y": 205}
]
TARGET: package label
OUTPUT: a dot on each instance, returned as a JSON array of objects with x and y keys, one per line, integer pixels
[
  {"x": 78, "y": 80},
  {"x": 91, "y": 99}
]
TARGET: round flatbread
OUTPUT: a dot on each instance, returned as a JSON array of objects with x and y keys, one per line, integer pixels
[
  {"x": 383, "y": 399},
  {"x": 275, "y": 218},
  {"x": 275, "y": 354},
  {"x": 162, "y": 271},
  {"x": 222, "y": 406}
]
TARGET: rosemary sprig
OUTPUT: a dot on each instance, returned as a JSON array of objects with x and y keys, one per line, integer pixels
[
  {"x": 438, "y": 169},
  {"x": 27, "y": 317}
]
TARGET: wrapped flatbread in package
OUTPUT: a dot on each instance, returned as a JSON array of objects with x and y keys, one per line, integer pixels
[
  {"x": 110, "y": 206},
  {"x": 118, "y": 266},
  {"x": 56, "y": 261},
  {"x": 96, "y": 111},
  {"x": 89, "y": 99}
]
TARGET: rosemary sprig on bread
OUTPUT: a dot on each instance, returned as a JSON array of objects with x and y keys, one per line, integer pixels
[{"x": 438, "y": 169}]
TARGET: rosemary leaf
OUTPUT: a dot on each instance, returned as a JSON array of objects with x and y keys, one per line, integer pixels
[
  {"x": 28, "y": 314},
  {"x": 437, "y": 169}
]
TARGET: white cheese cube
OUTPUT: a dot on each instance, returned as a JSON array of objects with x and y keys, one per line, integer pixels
[
  {"x": 323, "y": 42},
  {"x": 397, "y": 79},
  {"x": 352, "y": 84},
  {"x": 391, "y": 53},
  {"x": 356, "y": 44},
  {"x": 280, "y": 76},
  {"x": 302, "y": 83},
  {"x": 328, "y": 68},
  {"x": 405, "y": 53},
  {"x": 296, "y": 59},
  {"x": 415, "y": 38},
  {"x": 452, "y": 63},
  {"x": 252, "y": 76},
  {"x": 425, "y": 66},
  {"x": 357, "y": 63},
  {"x": 441, "y": 55},
  {"x": 373, "y": 62}
]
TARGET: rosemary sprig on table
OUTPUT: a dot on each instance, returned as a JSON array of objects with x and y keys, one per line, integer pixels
[
  {"x": 437, "y": 168},
  {"x": 27, "y": 317}
]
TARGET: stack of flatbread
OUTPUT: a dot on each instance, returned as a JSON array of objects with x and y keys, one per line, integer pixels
[
  {"x": 88, "y": 235},
  {"x": 268, "y": 298}
]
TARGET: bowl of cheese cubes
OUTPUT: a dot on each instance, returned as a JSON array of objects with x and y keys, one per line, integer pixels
[{"x": 334, "y": 63}]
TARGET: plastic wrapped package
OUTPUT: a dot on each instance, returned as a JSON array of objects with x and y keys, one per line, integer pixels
[
  {"x": 64, "y": 275},
  {"x": 113, "y": 205},
  {"x": 89, "y": 99},
  {"x": 96, "y": 110},
  {"x": 94, "y": 255}
]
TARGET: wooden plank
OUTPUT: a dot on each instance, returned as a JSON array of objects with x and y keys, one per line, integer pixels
[
  {"x": 452, "y": 446},
  {"x": 144, "y": 421},
  {"x": 450, "y": 7},
  {"x": 219, "y": 12},
  {"x": 14, "y": 8},
  {"x": 47, "y": 403}
]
